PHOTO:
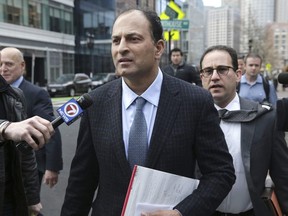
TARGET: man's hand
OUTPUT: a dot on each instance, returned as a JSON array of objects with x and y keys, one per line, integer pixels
[
  {"x": 35, "y": 209},
  {"x": 162, "y": 213},
  {"x": 50, "y": 178},
  {"x": 35, "y": 127}
]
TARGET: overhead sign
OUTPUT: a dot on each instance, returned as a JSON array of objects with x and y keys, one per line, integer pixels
[
  {"x": 172, "y": 11},
  {"x": 175, "y": 24}
]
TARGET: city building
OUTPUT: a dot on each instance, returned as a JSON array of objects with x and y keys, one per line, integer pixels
[
  {"x": 255, "y": 16},
  {"x": 194, "y": 39},
  {"x": 281, "y": 7},
  {"x": 44, "y": 32},
  {"x": 223, "y": 27},
  {"x": 278, "y": 35}
]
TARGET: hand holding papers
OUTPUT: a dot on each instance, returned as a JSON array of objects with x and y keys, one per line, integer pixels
[{"x": 150, "y": 190}]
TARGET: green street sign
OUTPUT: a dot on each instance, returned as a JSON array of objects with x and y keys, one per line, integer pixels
[{"x": 175, "y": 24}]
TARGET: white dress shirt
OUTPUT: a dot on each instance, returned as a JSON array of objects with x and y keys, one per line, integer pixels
[
  {"x": 151, "y": 95},
  {"x": 238, "y": 200}
]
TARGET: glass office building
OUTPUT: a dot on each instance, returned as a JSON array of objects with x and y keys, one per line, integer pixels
[
  {"x": 44, "y": 32},
  {"x": 93, "y": 27}
]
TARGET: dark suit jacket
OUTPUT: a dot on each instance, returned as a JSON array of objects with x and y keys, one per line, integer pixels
[
  {"x": 186, "y": 128},
  {"x": 264, "y": 148},
  {"x": 184, "y": 72},
  {"x": 39, "y": 103}
]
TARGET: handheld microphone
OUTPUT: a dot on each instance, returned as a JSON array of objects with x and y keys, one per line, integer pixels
[
  {"x": 68, "y": 113},
  {"x": 283, "y": 78}
]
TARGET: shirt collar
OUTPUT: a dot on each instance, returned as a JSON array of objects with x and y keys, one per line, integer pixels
[
  {"x": 233, "y": 105},
  {"x": 17, "y": 82},
  {"x": 152, "y": 94},
  {"x": 244, "y": 80}
]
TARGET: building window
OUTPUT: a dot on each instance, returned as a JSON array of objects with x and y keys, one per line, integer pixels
[
  {"x": 55, "y": 20},
  {"x": 68, "y": 23},
  {"x": 13, "y": 14},
  {"x": 34, "y": 14}
]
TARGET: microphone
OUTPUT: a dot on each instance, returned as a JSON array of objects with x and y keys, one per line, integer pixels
[
  {"x": 68, "y": 113},
  {"x": 283, "y": 78}
]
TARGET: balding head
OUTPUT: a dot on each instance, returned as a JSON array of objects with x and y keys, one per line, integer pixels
[{"x": 12, "y": 64}]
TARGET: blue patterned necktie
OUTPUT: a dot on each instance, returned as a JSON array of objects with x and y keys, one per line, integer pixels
[{"x": 138, "y": 140}]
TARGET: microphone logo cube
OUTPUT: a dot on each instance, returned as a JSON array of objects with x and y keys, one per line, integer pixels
[{"x": 70, "y": 111}]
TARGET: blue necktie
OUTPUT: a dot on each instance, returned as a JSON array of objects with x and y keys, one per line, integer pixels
[{"x": 138, "y": 140}]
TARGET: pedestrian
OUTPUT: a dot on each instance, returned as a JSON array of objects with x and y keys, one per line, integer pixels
[
  {"x": 254, "y": 142},
  {"x": 49, "y": 158},
  {"x": 255, "y": 86},
  {"x": 19, "y": 185},
  {"x": 241, "y": 64},
  {"x": 180, "y": 125},
  {"x": 180, "y": 69}
]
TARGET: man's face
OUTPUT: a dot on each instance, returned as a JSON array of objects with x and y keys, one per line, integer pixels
[
  {"x": 134, "y": 52},
  {"x": 252, "y": 66},
  {"x": 241, "y": 64},
  {"x": 176, "y": 58},
  {"x": 222, "y": 87},
  {"x": 11, "y": 66}
]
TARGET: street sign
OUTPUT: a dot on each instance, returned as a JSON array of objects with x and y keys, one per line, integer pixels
[
  {"x": 175, "y": 24},
  {"x": 172, "y": 11}
]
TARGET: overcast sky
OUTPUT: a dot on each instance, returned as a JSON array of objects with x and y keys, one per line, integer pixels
[{"x": 215, "y": 3}]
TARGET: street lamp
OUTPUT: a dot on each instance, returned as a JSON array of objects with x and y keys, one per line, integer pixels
[
  {"x": 90, "y": 45},
  {"x": 250, "y": 42}
]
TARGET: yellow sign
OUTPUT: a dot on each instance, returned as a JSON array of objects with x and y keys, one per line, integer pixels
[
  {"x": 172, "y": 11},
  {"x": 175, "y": 35}
]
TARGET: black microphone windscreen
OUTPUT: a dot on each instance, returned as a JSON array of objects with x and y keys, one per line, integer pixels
[
  {"x": 283, "y": 78},
  {"x": 85, "y": 101}
]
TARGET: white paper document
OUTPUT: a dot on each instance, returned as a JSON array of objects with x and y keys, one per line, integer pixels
[{"x": 150, "y": 190}]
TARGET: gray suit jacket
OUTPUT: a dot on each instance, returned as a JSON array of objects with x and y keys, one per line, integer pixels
[
  {"x": 186, "y": 129},
  {"x": 264, "y": 149}
]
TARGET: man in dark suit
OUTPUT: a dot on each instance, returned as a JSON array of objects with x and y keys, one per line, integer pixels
[
  {"x": 180, "y": 69},
  {"x": 254, "y": 142},
  {"x": 182, "y": 127},
  {"x": 49, "y": 158}
]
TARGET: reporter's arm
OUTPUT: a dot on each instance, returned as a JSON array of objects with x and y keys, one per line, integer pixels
[{"x": 35, "y": 127}]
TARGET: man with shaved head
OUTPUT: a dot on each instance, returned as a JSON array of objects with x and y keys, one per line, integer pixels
[
  {"x": 19, "y": 185},
  {"x": 49, "y": 158}
]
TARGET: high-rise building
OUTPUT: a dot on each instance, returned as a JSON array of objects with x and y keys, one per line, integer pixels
[
  {"x": 278, "y": 35},
  {"x": 281, "y": 7},
  {"x": 255, "y": 15},
  {"x": 223, "y": 27},
  {"x": 193, "y": 40}
]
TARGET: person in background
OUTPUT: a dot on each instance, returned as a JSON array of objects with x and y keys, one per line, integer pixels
[
  {"x": 19, "y": 185},
  {"x": 255, "y": 143},
  {"x": 181, "y": 127},
  {"x": 180, "y": 69},
  {"x": 49, "y": 158},
  {"x": 241, "y": 64},
  {"x": 255, "y": 86}
]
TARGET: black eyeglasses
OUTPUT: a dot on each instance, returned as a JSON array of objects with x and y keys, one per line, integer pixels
[{"x": 221, "y": 70}]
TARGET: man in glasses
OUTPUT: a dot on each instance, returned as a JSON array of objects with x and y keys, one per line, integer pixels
[{"x": 252, "y": 138}]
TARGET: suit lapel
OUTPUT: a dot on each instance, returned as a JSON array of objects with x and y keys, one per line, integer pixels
[
  {"x": 247, "y": 134},
  {"x": 115, "y": 124},
  {"x": 167, "y": 111}
]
